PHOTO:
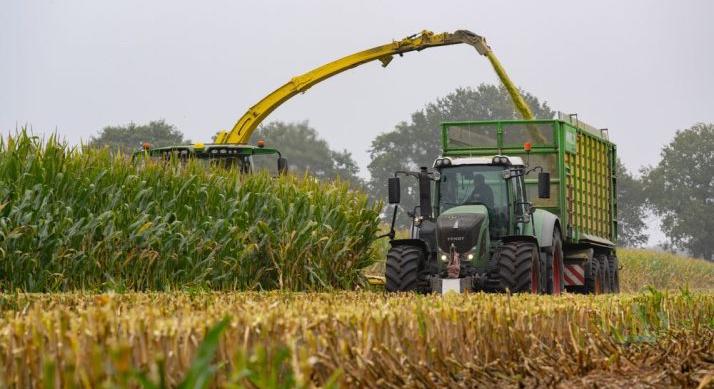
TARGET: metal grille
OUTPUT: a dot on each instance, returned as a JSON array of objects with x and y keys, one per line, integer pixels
[{"x": 589, "y": 180}]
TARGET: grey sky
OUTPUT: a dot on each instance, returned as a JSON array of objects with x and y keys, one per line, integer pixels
[{"x": 641, "y": 68}]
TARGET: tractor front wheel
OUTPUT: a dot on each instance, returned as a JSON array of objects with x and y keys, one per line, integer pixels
[
  {"x": 517, "y": 268},
  {"x": 403, "y": 266}
]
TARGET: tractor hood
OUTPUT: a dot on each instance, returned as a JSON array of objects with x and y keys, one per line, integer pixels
[{"x": 461, "y": 226}]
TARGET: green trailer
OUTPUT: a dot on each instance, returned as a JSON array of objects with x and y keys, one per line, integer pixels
[{"x": 524, "y": 205}]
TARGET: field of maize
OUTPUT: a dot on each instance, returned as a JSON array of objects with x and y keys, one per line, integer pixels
[
  {"x": 152, "y": 275},
  {"x": 84, "y": 220}
]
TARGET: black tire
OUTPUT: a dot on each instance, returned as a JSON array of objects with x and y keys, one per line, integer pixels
[
  {"x": 404, "y": 264},
  {"x": 605, "y": 274},
  {"x": 516, "y": 268},
  {"x": 593, "y": 277},
  {"x": 555, "y": 266},
  {"x": 614, "y": 265}
]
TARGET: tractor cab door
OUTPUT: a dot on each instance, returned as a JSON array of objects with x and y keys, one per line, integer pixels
[{"x": 520, "y": 207}]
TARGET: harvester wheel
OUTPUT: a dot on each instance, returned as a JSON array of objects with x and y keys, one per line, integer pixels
[
  {"x": 403, "y": 266},
  {"x": 555, "y": 267},
  {"x": 517, "y": 268},
  {"x": 593, "y": 276},
  {"x": 613, "y": 263}
]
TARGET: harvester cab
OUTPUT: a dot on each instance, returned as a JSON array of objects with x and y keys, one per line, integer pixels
[
  {"x": 487, "y": 221},
  {"x": 242, "y": 158}
]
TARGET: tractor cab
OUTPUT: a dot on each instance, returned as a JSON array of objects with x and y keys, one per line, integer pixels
[
  {"x": 243, "y": 158},
  {"x": 479, "y": 202},
  {"x": 494, "y": 184}
]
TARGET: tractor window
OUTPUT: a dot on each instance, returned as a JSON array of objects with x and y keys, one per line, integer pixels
[
  {"x": 266, "y": 163},
  {"x": 519, "y": 198},
  {"x": 213, "y": 159},
  {"x": 165, "y": 156},
  {"x": 476, "y": 184}
]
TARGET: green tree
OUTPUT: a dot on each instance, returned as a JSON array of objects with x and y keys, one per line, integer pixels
[
  {"x": 680, "y": 190},
  {"x": 418, "y": 142},
  {"x": 631, "y": 210},
  {"x": 307, "y": 152},
  {"x": 129, "y": 138}
]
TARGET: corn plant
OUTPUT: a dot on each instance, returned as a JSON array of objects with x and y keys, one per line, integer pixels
[{"x": 73, "y": 219}]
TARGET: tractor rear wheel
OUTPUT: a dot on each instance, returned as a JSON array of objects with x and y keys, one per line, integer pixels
[
  {"x": 593, "y": 277},
  {"x": 517, "y": 268},
  {"x": 555, "y": 266},
  {"x": 404, "y": 264}
]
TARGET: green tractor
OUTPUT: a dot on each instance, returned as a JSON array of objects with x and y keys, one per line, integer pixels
[{"x": 490, "y": 218}]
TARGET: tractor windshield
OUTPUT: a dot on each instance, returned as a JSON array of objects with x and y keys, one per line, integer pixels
[{"x": 476, "y": 184}]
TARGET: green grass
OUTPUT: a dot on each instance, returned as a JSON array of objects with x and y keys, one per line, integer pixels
[
  {"x": 84, "y": 220},
  {"x": 662, "y": 270}
]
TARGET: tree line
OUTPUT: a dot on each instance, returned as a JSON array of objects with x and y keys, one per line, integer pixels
[{"x": 678, "y": 190}]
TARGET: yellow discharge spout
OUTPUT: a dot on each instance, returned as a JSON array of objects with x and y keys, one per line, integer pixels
[
  {"x": 245, "y": 126},
  {"x": 518, "y": 100}
]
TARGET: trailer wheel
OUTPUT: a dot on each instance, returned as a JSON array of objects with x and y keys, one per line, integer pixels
[
  {"x": 517, "y": 268},
  {"x": 593, "y": 277},
  {"x": 403, "y": 266},
  {"x": 555, "y": 266},
  {"x": 605, "y": 274},
  {"x": 613, "y": 264}
]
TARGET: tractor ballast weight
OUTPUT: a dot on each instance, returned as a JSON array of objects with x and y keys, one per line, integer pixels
[{"x": 524, "y": 206}]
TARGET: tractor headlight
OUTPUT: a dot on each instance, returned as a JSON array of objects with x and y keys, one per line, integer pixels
[
  {"x": 442, "y": 162},
  {"x": 472, "y": 253},
  {"x": 500, "y": 160}
]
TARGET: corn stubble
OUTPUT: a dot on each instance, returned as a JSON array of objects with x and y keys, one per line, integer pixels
[
  {"x": 84, "y": 220},
  {"x": 359, "y": 339}
]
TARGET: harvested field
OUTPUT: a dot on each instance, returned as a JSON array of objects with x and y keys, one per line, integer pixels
[{"x": 361, "y": 339}]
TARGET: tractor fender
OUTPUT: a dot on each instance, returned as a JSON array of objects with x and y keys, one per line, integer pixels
[
  {"x": 410, "y": 242},
  {"x": 521, "y": 238},
  {"x": 544, "y": 224}
]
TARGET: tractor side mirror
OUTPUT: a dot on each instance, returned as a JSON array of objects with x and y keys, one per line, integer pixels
[
  {"x": 544, "y": 185},
  {"x": 282, "y": 166},
  {"x": 394, "y": 190}
]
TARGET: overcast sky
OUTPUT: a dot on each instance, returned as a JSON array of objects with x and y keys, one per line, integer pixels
[{"x": 641, "y": 68}]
